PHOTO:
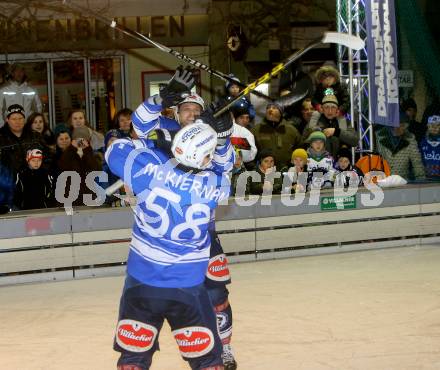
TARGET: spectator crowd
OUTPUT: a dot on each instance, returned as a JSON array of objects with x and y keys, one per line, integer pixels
[{"x": 296, "y": 148}]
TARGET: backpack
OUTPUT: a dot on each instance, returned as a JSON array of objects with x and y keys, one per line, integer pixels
[{"x": 373, "y": 162}]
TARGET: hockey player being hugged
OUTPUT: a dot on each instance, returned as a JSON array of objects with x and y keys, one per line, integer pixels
[
  {"x": 319, "y": 162},
  {"x": 169, "y": 250},
  {"x": 146, "y": 119}
]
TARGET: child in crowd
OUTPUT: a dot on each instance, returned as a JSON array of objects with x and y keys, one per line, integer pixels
[
  {"x": 265, "y": 168},
  {"x": 430, "y": 149},
  {"x": 34, "y": 185},
  {"x": 328, "y": 77},
  {"x": 232, "y": 91},
  {"x": 319, "y": 162},
  {"x": 62, "y": 142},
  {"x": 346, "y": 173},
  {"x": 237, "y": 170},
  {"x": 123, "y": 121},
  {"x": 112, "y": 200},
  {"x": 299, "y": 165}
]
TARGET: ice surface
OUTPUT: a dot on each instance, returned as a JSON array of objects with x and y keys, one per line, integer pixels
[{"x": 367, "y": 310}]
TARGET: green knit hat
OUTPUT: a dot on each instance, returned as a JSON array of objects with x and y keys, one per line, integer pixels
[{"x": 316, "y": 135}]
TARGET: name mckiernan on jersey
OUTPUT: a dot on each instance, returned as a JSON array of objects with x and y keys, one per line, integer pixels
[{"x": 184, "y": 182}]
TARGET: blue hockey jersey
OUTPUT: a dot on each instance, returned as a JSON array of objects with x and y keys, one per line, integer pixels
[
  {"x": 147, "y": 117},
  {"x": 170, "y": 238},
  {"x": 430, "y": 150}
]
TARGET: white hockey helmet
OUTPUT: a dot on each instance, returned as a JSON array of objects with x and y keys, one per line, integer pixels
[
  {"x": 194, "y": 98},
  {"x": 193, "y": 143}
]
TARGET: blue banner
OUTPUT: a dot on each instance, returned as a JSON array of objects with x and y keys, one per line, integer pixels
[{"x": 382, "y": 62}]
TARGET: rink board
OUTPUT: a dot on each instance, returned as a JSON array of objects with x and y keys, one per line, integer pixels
[{"x": 52, "y": 245}]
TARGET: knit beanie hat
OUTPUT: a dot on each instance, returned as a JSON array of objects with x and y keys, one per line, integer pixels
[
  {"x": 316, "y": 135},
  {"x": 264, "y": 153},
  {"x": 330, "y": 99},
  {"x": 299, "y": 153},
  {"x": 15, "y": 108},
  {"x": 61, "y": 129},
  {"x": 276, "y": 105},
  {"x": 34, "y": 153},
  {"x": 344, "y": 153}
]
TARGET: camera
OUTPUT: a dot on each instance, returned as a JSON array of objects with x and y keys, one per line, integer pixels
[{"x": 81, "y": 142}]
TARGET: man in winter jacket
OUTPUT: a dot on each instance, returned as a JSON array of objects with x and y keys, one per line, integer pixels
[
  {"x": 15, "y": 141},
  {"x": 17, "y": 91},
  {"x": 334, "y": 127},
  {"x": 275, "y": 134},
  {"x": 399, "y": 147}
]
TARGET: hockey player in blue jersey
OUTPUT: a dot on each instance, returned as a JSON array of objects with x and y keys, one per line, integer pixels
[
  {"x": 169, "y": 251},
  {"x": 147, "y": 118}
]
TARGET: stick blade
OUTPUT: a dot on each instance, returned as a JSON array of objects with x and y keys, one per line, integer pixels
[
  {"x": 350, "y": 41},
  {"x": 291, "y": 98}
]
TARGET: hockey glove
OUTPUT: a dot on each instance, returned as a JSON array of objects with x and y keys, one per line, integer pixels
[
  {"x": 222, "y": 124},
  {"x": 163, "y": 139},
  {"x": 178, "y": 88}
]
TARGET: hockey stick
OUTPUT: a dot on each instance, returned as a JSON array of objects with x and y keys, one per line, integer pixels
[
  {"x": 350, "y": 41},
  {"x": 144, "y": 39}
]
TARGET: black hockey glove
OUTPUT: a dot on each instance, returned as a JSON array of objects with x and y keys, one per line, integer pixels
[
  {"x": 163, "y": 139},
  {"x": 178, "y": 88},
  {"x": 222, "y": 124}
]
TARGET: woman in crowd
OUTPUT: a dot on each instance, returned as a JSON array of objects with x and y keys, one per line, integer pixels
[
  {"x": 79, "y": 157},
  {"x": 37, "y": 123},
  {"x": 77, "y": 118}
]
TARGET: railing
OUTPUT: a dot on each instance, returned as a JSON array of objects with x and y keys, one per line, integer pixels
[{"x": 51, "y": 245}]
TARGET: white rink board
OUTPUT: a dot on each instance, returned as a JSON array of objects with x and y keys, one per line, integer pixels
[{"x": 364, "y": 310}]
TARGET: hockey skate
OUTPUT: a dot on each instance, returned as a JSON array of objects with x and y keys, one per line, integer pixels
[{"x": 228, "y": 358}]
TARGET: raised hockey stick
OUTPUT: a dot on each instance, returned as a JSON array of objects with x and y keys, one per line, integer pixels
[
  {"x": 350, "y": 41},
  {"x": 144, "y": 39}
]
